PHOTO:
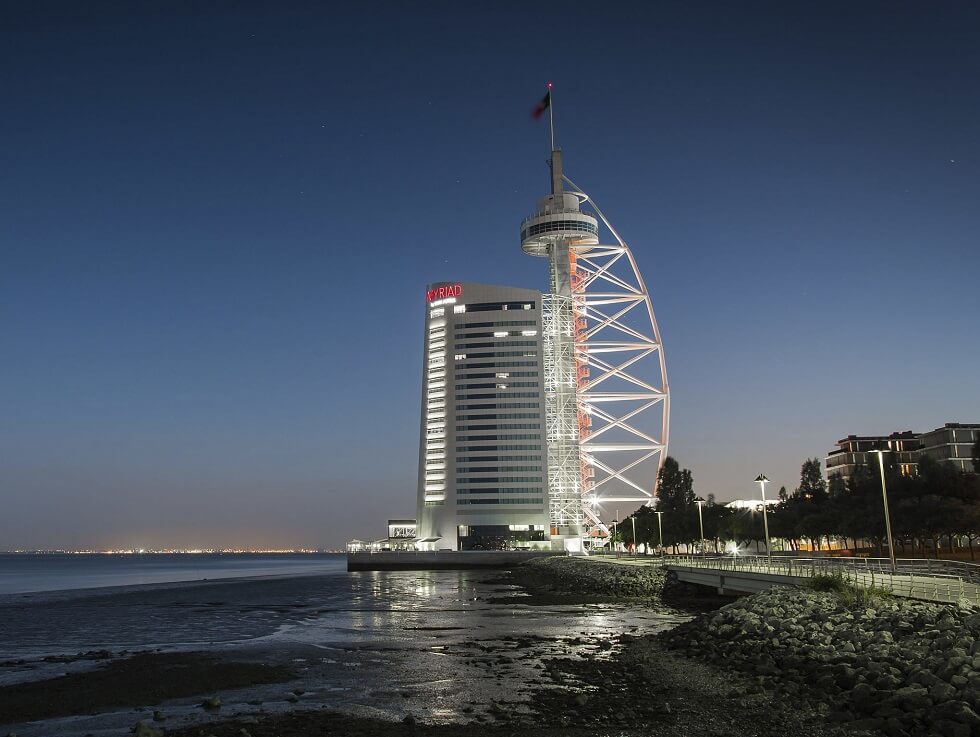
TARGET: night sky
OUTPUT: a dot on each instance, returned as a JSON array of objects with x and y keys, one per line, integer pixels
[{"x": 217, "y": 220}]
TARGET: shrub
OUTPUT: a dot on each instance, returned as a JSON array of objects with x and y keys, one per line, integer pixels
[{"x": 847, "y": 592}]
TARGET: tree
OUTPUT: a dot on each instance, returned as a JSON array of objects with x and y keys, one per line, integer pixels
[
  {"x": 783, "y": 496},
  {"x": 675, "y": 487},
  {"x": 715, "y": 518},
  {"x": 675, "y": 498},
  {"x": 813, "y": 488}
]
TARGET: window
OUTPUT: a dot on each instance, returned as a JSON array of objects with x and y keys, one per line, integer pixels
[
  {"x": 498, "y": 469},
  {"x": 503, "y": 306},
  {"x": 500, "y": 426},
  {"x": 505, "y": 354},
  {"x": 520, "y": 500},
  {"x": 497, "y": 480}
]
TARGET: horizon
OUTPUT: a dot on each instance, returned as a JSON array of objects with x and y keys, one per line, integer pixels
[{"x": 222, "y": 221}]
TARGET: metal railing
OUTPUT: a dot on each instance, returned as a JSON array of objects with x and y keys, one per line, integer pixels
[{"x": 933, "y": 580}]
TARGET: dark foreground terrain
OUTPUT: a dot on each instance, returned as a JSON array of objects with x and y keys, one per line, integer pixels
[
  {"x": 597, "y": 680},
  {"x": 642, "y": 689}
]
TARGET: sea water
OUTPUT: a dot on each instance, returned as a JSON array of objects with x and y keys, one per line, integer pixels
[
  {"x": 21, "y": 573},
  {"x": 359, "y": 642}
]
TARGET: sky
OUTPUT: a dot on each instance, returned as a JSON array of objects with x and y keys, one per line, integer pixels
[{"x": 217, "y": 221}]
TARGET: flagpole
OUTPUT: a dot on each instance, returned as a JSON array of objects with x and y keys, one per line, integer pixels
[{"x": 551, "y": 114}]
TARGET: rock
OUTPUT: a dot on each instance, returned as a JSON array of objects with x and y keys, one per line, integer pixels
[
  {"x": 212, "y": 703},
  {"x": 142, "y": 729},
  {"x": 894, "y": 728},
  {"x": 952, "y": 729},
  {"x": 942, "y": 692},
  {"x": 887, "y": 682},
  {"x": 912, "y": 698},
  {"x": 864, "y": 696},
  {"x": 957, "y": 711},
  {"x": 869, "y": 724}
]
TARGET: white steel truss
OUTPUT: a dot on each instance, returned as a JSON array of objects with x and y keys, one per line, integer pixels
[
  {"x": 561, "y": 415},
  {"x": 622, "y": 391}
]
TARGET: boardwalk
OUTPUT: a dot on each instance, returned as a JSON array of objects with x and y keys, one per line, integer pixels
[{"x": 927, "y": 580}]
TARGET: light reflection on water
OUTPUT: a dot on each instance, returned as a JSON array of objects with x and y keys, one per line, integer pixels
[{"x": 380, "y": 643}]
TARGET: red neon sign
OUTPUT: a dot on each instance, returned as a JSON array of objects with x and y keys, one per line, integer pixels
[{"x": 449, "y": 290}]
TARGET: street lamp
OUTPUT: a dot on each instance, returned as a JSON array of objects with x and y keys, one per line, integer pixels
[
  {"x": 884, "y": 499},
  {"x": 762, "y": 481},
  {"x": 633, "y": 518},
  {"x": 612, "y": 544},
  {"x": 701, "y": 523},
  {"x": 660, "y": 528}
]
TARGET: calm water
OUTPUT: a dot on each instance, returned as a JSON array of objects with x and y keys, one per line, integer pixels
[
  {"x": 56, "y": 572},
  {"x": 372, "y": 643}
]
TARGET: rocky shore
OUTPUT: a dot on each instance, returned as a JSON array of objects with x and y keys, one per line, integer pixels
[
  {"x": 893, "y": 666},
  {"x": 589, "y": 579},
  {"x": 598, "y": 580}
]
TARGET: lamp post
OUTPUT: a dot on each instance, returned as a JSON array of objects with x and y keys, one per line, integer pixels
[
  {"x": 762, "y": 481},
  {"x": 884, "y": 499},
  {"x": 701, "y": 524},
  {"x": 660, "y": 528},
  {"x": 633, "y": 518},
  {"x": 612, "y": 545}
]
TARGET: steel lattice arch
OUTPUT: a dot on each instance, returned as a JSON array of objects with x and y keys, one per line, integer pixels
[{"x": 607, "y": 400}]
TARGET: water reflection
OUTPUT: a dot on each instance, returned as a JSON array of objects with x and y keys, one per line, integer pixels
[{"x": 384, "y": 642}]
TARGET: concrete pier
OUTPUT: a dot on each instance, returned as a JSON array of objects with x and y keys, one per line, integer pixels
[{"x": 435, "y": 560}]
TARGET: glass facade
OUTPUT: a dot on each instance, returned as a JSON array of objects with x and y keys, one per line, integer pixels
[{"x": 484, "y": 459}]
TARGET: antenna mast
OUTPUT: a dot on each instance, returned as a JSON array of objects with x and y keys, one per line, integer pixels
[{"x": 551, "y": 114}]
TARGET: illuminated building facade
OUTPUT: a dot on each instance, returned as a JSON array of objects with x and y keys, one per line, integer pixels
[
  {"x": 952, "y": 443},
  {"x": 541, "y": 411},
  {"x": 856, "y": 450},
  {"x": 482, "y": 452}
]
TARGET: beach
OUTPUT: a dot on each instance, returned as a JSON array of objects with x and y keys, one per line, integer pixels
[
  {"x": 362, "y": 653},
  {"x": 353, "y": 642}
]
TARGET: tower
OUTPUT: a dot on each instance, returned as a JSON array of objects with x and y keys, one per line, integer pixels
[
  {"x": 605, "y": 379},
  {"x": 554, "y": 231}
]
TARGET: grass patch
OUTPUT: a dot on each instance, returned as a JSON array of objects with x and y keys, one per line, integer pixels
[{"x": 849, "y": 593}]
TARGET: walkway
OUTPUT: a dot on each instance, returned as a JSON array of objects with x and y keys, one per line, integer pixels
[{"x": 924, "y": 579}]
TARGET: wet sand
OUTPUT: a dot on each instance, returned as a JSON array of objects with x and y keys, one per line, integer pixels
[
  {"x": 146, "y": 679},
  {"x": 440, "y": 654}
]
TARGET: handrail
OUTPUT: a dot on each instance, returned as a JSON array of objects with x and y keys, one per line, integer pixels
[
  {"x": 947, "y": 581},
  {"x": 927, "y": 566}
]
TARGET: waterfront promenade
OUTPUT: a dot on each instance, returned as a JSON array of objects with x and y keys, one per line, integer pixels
[{"x": 922, "y": 579}]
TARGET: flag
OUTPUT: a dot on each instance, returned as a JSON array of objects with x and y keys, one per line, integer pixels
[{"x": 542, "y": 106}]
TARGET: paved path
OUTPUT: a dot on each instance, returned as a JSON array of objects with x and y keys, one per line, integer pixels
[{"x": 939, "y": 588}]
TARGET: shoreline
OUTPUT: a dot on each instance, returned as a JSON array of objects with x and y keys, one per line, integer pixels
[
  {"x": 670, "y": 661},
  {"x": 566, "y": 682}
]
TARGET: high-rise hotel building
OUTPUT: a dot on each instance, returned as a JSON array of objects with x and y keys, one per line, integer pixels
[{"x": 483, "y": 453}]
